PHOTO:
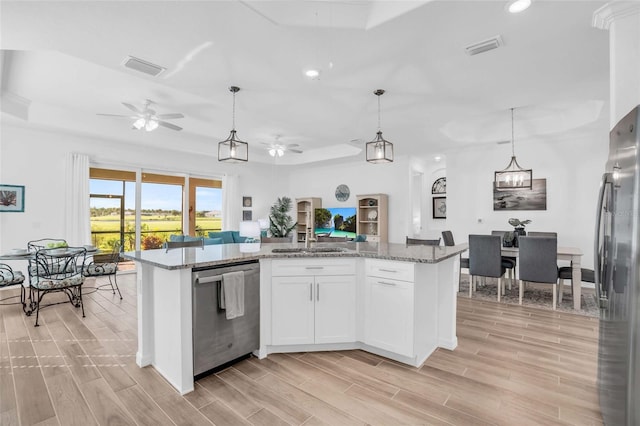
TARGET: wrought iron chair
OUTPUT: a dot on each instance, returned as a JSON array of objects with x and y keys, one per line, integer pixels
[
  {"x": 538, "y": 262},
  {"x": 105, "y": 265},
  {"x": 57, "y": 270},
  {"x": 35, "y": 245},
  {"x": 8, "y": 278},
  {"x": 419, "y": 242}
]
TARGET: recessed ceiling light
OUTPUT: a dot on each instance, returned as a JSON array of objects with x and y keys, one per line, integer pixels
[
  {"x": 518, "y": 6},
  {"x": 437, "y": 158},
  {"x": 313, "y": 74}
]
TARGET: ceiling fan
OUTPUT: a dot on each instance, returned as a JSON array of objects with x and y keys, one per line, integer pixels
[
  {"x": 276, "y": 149},
  {"x": 147, "y": 119}
]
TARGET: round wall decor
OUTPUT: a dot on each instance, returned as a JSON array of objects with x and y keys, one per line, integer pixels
[{"x": 342, "y": 192}]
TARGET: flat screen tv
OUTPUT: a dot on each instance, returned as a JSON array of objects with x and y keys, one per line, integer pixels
[{"x": 336, "y": 222}]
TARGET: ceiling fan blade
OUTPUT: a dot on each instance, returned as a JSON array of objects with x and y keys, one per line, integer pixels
[
  {"x": 295, "y": 151},
  {"x": 132, "y": 108},
  {"x": 171, "y": 115},
  {"x": 118, "y": 115},
  {"x": 292, "y": 145},
  {"x": 169, "y": 125}
]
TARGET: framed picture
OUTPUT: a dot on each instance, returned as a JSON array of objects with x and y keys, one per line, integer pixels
[
  {"x": 439, "y": 186},
  {"x": 246, "y": 215},
  {"x": 11, "y": 198},
  {"x": 439, "y": 207},
  {"x": 522, "y": 199},
  {"x": 246, "y": 201}
]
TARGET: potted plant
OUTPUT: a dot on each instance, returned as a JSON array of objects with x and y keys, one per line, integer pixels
[
  {"x": 280, "y": 222},
  {"x": 518, "y": 230},
  {"x": 509, "y": 239}
]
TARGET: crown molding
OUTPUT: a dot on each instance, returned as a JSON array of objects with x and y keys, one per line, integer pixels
[{"x": 610, "y": 12}]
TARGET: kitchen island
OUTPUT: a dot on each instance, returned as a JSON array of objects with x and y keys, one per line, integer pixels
[{"x": 390, "y": 299}]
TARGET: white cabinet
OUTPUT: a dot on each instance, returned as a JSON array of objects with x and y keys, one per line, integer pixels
[
  {"x": 389, "y": 306},
  {"x": 313, "y": 301}
]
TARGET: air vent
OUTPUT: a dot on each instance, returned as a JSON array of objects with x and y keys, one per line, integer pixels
[
  {"x": 143, "y": 66},
  {"x": 483, "y": 46}
]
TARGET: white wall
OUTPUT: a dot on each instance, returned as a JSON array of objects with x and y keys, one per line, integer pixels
[
  {"x": 571, "y": 163},
  {"x": 362, "y": 178},
  {"x": 36, "y": 159}
]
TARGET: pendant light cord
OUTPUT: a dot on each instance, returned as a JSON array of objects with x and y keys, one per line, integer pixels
[
  {"x": 378, "y": 112},
  {"x": 513, "y": 151},
  {"x": 233, "y": 116}
]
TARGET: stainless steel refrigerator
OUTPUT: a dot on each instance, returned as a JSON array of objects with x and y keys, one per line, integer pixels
[{"x": 616, "y": 270}]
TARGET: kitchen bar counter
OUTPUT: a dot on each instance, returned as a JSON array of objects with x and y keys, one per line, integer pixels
[
  {"x": 399, "y": 301},
  {"x": 222, "y": 254}
]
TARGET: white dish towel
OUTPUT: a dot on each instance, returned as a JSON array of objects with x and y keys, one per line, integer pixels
[{"x": 232, "y": 297}]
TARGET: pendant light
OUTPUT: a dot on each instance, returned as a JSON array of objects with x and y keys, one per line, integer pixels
[
  {"x": 232, "y": 149},
  {"x": 379, "y": 150},
  {"x": 513, "y": 176}
]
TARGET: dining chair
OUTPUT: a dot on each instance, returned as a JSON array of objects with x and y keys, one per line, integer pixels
[
  {"x": 181, "y": 244},
  {"x": 542, "y": 234},
  {"x": 510, "y": 259},
  {"x": 331, "y": 239},
  {"x": 538, "y": 263},
  {"x": 485, "y": 260},
  {"x": 419, "y": 242},
  {"x": 9, "y": 278},
  {"x": 57, "y": 270},
  {"x": 447, "y": 238},
  {"x": 275, "y": 239},
  {"x": 105, "y": 265},
  {"x": 566, "y": 273}
]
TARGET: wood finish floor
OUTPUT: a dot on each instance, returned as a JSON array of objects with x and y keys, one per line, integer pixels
[{"x": 513, "y": 366}]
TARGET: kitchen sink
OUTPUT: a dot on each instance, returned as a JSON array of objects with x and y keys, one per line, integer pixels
[{"x": 308, "y": 250}]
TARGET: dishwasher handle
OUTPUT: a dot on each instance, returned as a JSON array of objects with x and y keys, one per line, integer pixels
[{"x": 205, "y": 280}]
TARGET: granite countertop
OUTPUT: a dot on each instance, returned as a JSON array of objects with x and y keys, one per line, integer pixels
[{"x": 216, "y": 255}]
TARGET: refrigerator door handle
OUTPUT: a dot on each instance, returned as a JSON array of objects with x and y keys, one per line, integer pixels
[{"x": 607, "y": 179}]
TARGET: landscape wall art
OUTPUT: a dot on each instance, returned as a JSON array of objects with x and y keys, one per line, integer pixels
[{"x": 522, "y": 199}]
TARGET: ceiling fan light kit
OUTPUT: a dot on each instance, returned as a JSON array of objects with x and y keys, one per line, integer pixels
[
  {"x": 379, "y": 150},
  {"x": 513, "y": 176},
  {"x": 147, "y": 119},
  {"x": 232, "y": 149}
]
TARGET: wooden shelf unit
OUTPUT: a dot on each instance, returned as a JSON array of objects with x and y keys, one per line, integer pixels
[
  {"x": 304, "y": 205},
  {"x": 376, "y": 229}
]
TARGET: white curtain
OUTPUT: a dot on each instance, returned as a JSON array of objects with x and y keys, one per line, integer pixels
[
  {"x": 77, "y": 214},
  {"x": 230, "y": 203}
]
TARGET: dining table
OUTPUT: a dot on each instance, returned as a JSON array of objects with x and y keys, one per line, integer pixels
[{"x": 572, "y": 254}]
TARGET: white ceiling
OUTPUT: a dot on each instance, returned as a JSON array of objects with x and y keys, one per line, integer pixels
[{"x": 66, "y": 58}]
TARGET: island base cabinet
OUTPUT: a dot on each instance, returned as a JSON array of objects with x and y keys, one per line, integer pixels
[
  {"x": 389, "y": 315},
  {"x": 292, "y": 310},
  {"x": 312, "y": 309},
  {"x": 335, "y": 314}
]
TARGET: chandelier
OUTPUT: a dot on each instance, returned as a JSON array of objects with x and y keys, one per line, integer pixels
[
  {"x": 232, "y": 149},
  {"x": 513, "y": 176},
  {"x": 379, "y": 150}
]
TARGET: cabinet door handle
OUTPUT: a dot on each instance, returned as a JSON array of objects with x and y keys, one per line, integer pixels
[
  {"x": 311, "y": 292},
  {"x": 388, "y": 270},
  {"x": 386, "y": 283},
  {"x": 314, "y": 267},
  {"x": 318, "y": 292}
]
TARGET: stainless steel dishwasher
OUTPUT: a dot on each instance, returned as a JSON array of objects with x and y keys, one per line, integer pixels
[{"x": 216, "y": 340}]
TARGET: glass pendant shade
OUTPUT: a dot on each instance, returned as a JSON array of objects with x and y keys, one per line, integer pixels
[
  {"x": 513, "y": 176},
  {"x": 379, "y": 150},
  {"x": 232, "y": 149}
]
